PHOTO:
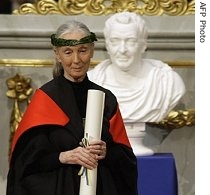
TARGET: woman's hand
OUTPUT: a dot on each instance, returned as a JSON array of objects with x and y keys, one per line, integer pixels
[
  {"x": 98, "y": 148},
  {"x": 81, "y": 156}
]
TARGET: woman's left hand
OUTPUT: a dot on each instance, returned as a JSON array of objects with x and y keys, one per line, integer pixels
[{"x": 98, "y": 147}]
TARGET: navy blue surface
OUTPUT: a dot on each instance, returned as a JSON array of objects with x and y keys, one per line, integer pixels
[{"x": 157, "y": 175}]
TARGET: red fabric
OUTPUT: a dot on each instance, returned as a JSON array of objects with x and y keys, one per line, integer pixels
[
  {"x": 117, "y": 129},
  {"x": 42, "y": 110}
]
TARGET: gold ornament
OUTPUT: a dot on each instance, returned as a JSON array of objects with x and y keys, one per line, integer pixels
[
  {"x": 19, "y": 89},
  {"x": 105, "y": 7}
]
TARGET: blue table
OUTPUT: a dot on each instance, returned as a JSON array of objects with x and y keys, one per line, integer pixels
[{"x": 157, "y": 175}]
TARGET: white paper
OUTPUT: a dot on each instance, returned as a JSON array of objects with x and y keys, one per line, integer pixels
[{"x": 93, "y": 126}]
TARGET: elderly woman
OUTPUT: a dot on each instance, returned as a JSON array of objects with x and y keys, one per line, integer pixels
[{"x": 46, "y": 150}]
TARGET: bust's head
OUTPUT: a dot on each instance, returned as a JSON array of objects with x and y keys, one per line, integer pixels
[{"x": 126, "y": 36}]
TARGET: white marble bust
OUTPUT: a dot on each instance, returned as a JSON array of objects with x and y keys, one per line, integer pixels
[{"x": 146, "y": 89}]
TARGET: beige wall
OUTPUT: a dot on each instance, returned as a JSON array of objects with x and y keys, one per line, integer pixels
[{"x": 170, "y": 39}]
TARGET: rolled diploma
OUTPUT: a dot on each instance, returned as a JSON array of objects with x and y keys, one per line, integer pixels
[{"x": 93, "y": 126}]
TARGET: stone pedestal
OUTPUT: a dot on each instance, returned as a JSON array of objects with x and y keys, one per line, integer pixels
[{"x": 136, "y": 133}]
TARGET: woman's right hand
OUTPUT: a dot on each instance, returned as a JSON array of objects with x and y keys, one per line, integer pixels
[{"x": 80, "y": 156}]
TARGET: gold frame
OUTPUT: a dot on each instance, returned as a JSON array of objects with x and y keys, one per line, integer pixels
[
  {"x": 48, "y": 63},
  {"x": 105, "y": 7}
]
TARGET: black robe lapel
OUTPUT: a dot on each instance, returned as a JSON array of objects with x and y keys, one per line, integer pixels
[{"x": 63, "y": 95}]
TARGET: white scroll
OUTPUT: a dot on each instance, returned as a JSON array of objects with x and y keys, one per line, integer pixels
[{"x": 93, "y": 126}]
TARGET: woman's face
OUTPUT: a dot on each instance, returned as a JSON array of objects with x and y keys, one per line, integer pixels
[{"x": 75, "y": 59}]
